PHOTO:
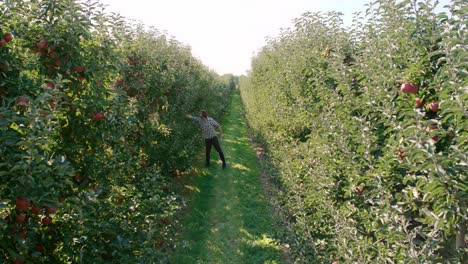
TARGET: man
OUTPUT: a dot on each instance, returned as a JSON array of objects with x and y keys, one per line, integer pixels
[{"x": 208, "y": 126}]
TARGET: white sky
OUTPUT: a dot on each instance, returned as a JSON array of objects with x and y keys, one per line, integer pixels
[{"x": 225, "y": 34}]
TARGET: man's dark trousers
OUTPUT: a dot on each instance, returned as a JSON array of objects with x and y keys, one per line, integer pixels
[{"x": 213, "y": 141}]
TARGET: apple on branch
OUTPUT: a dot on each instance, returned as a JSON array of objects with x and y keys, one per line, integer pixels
[
  {"x": 408, "y": 87},
  {"x": 42, "y": 44},
  {"x": 8, "y": 37}
]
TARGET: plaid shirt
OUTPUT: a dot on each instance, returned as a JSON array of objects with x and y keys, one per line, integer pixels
[{"x": 207, "y": 126}]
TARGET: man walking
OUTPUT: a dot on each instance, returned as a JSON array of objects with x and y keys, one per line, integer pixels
[{"x": 208, "y": 126}]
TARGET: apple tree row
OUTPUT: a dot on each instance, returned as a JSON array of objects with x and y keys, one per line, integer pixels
[
  {"x": 92, "y": 133},
  {"x": 365, "y": 130}
]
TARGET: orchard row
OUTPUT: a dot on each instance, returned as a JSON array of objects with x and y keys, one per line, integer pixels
[
  {"x": 366, "y": 132},
  {"x": 92, "y": 133}
]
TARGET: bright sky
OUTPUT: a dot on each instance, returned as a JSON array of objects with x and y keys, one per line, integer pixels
[{"x": 225, "y": 34}]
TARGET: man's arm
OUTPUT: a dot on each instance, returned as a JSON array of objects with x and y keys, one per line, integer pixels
[
  {"x": 218, "y": 126},
  {"x": 221, "y": 131},
  {"x": 195, "y": 119}
]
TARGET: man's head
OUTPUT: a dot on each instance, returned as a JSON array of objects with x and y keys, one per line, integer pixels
[{"x": 204, "y": 114}]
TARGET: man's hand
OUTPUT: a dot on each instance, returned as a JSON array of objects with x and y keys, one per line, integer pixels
[
  {"x": 221, "y": 133},
  {"x": 188, "y": 116}
]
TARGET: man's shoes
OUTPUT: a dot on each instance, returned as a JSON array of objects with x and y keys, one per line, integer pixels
[{"x": 224, "y": 166}]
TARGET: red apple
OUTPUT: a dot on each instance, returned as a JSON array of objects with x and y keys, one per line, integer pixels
[
  {"x": 20, "y": 218},
  {"x": 3, "y": 42},
  {"x": 46, "y": 221},
  {"x": 419, "y": 102},
  {"x": 78, "y": 69},
  {"x": 409, "y": 88},
  {"x": 431, "y": 127},
  {"x": 8, "y": 37},
  {"x": 22, "y": 234},
  {"x": 99, "y": 116},
  {"x": 18, "y": 260},
  {"x": 36, "y": 210},
  {"x": 119, "y": 201},
  {"x": 50, "y": 210},
  {"x": 434, "y": 107},
  {"x": 39, "y": 248},
  {"x": 22, "y": 102},
  {"x": 22, "y": 203},
  {"x": 42, "y": 44},
  {"x": 50, "y": 85}
]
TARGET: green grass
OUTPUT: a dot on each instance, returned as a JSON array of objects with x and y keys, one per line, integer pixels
[{"x": 229, "y": 219}]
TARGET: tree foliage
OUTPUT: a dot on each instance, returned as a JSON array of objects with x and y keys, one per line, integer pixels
[
  {"x": 370, "y": 175},
  {"x": 92, "y": 133}
]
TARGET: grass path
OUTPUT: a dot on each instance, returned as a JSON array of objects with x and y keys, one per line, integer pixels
[{"x": 229, "y": 220}]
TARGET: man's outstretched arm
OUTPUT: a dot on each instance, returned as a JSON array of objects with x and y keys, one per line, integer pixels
[{"x": 193, "y": 118}]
